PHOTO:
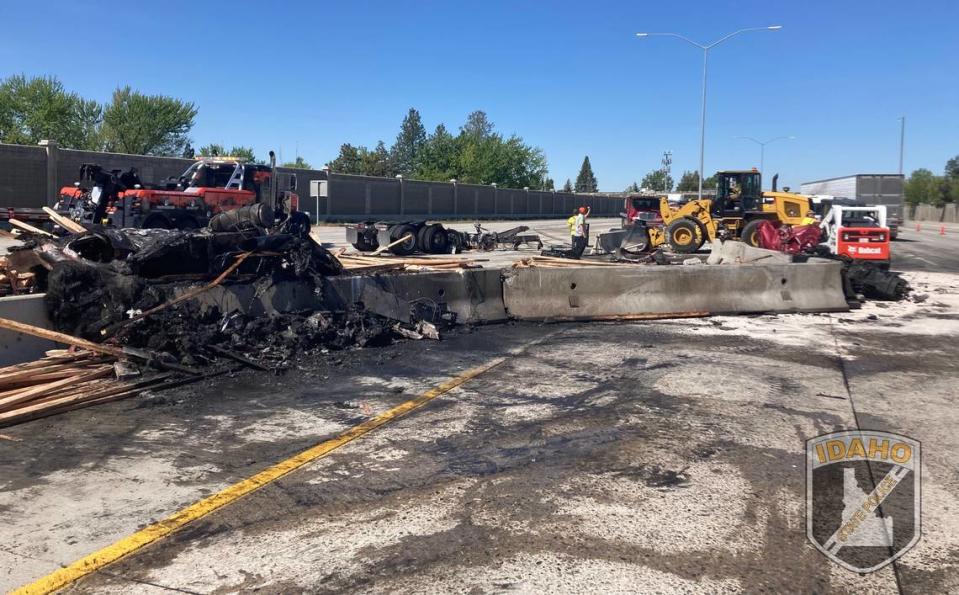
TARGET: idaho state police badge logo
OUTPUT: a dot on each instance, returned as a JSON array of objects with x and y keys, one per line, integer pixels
[{"x": 862, "y": 497}]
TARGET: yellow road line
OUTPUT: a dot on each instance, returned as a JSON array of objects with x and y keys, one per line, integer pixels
[{"x": 97, "y": 560}]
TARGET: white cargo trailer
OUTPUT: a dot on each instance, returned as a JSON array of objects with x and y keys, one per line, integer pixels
[{"x": 869, "y": 189}]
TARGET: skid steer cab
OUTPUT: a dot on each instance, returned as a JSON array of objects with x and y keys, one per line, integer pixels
[
  {"x": 859, "y": 233},
  {"x": 209, "y": 186}
]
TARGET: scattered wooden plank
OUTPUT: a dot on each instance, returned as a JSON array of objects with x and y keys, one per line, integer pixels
[
  {"x": 64, "y": 222},
  {"x": 41, "y": 389},
  {"x": 35, "y": 331},
  {"x": 382, "y": 249},
  {"x": 30, "y": 228}
]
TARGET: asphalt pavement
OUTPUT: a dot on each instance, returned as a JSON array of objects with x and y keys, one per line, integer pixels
[{"x": 659, "y": 456}]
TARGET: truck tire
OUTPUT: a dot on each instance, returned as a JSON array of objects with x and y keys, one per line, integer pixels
[
  {"x": 409, "y": 246},
  {"x": 750, "y": 233},
  {"x": 421, "y": 243},
  {"x": 435, "y": 240},
  {"x": 685, "y": 235}
]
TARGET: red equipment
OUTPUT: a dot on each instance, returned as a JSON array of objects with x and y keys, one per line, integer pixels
[
  {"x": 210, "y": 186},
  {"x": 789, "y": 239}
]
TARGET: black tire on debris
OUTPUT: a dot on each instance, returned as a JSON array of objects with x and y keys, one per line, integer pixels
[
  {"x": 685, "y": 235},
  {"x": 750, "y": 233},
  {"x": 435, "y": 240},
  {"x": 409, "y": 246},
  {"x": 421, "y": 243}
]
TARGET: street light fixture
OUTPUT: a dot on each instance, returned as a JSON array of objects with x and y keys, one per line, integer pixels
[
  {"x": 762, "y": 146},
  {"x": 706, "y": 48}
]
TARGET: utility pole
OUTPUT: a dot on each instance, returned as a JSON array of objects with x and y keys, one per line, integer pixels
[
  {"x": 902, "y": 139},
  {"x": 667, "y": 161},
  {"x": 705, "y": 48}
]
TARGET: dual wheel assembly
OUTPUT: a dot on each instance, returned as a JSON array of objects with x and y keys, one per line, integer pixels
[{"x": 431, "y": 239}]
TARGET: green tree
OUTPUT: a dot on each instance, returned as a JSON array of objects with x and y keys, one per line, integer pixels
[
  {"x": 634, "y": 187},
  {"x": 407, "y": 151},
  {"x": 549, "y": 185},
  {"x": 348, "y": 161},
  {"x": 298, "y": 163},
  {"x": 40, "y": 108},
  {"x": 477, "y": 125},
  {"x": 952, "y": 167},
  {"x": 658, "y": 181},
  {"x": 438, "y": 159},
  {"x": 710, "y": 183},
  {"x": 922, "y": 187},
  {"x": 146, "y": 124},
  {"x": 568, "y": 186},
  {"x": 218, "y": 150},
  {"x": 476, "y": 155},
  {"x": 688, "y": 182},
  {"x": 377, "y": 162},
  {"x": 586, "y": 181}
]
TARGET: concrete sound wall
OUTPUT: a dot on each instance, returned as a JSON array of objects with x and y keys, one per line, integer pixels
[
  {"x": 354, "y": 198},
  {"x": 32, "y": 177}
]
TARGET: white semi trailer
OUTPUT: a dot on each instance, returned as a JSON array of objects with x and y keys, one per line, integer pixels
[{"x": 866, "y": 189}]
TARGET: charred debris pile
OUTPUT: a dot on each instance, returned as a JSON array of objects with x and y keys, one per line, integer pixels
[{"x": 137, "y": 288}]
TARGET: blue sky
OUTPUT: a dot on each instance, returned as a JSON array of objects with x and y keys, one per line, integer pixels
[{"x": 570, "y": 77}]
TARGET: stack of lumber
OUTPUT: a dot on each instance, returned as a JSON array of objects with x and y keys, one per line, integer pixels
[
  {"x": 13, "y": 282},
  {"x": 362, "y": 263},
  {"x": 62, "y": 381},
  {"x": 556, "y": 262}
]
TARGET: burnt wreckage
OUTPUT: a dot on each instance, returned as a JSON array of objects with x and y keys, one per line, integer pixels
[{"x": 134, "y": 287}]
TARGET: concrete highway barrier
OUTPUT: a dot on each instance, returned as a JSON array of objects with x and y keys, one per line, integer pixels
[
  {"x": 584, "y": 293},
  {"x": 17, "y": 347}
]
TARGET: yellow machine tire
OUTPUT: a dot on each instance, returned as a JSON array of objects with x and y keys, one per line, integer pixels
[
  {"x": 685, "y": 235},
  {"x": 750, "y": 233}
]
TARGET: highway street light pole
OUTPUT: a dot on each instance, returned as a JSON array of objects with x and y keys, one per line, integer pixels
[
  {"x": 706, "y": 48},
  {"x": 762, "y": 147},
  {"x": 902, "y": 139}
]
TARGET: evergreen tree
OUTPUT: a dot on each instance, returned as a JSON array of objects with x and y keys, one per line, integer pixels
[
  {"x": 586, "y": 181},
  {"x": 377, "y": 162},
  {"x": 568, "y": 186},
  {"x": 410, "y": 142},
  {"x": 438, "y": 160},
  {"x": 634, "y": 187},
  {"x": 348, "y": 161}
]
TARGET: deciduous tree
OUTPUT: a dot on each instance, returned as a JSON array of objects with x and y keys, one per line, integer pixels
[
  {"x": 40, "y": 108},
  {"x": 922, "y": 187},
  {"x": 658, "y": 181},
  {"x": 146, "y": 124}
]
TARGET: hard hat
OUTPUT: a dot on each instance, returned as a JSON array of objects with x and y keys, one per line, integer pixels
[{"x": 582, "y": 209}]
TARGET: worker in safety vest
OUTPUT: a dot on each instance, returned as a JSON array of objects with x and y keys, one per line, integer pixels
[
  {"x": 571, "y": 223},
  {"x": 579, "y": 231}
]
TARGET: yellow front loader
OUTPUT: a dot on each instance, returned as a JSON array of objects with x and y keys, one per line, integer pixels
[{"x": 735, "y": 213}]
